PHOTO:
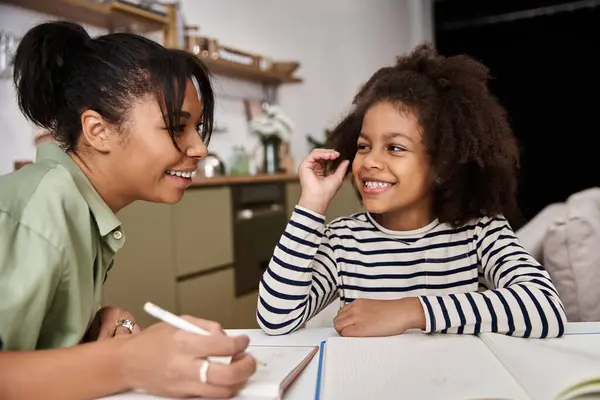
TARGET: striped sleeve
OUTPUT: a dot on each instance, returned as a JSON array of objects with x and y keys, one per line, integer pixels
[
  {"x": 300, "y": 280},
  {"x": 522, "y": 300}
]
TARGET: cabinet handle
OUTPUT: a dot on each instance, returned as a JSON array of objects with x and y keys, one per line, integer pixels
[{"x": 247, "y": 213}]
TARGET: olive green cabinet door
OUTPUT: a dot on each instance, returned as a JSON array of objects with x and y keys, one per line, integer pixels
[
  {"x": 202, "y": 232},
  {"x": 210, "y": 296},
  {"x": 245, "y": 311},
  {"x": 346, "y": 202},
  {"x": 292, "y": 196},
  {"x": 144, "y": 267}
]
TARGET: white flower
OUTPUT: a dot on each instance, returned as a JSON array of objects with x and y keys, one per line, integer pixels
[{"x": 272, "y": 122}]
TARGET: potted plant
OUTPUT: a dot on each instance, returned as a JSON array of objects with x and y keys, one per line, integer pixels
[{"x": 272, "y": 127}]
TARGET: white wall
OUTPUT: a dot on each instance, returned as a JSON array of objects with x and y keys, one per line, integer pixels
[
  {"x": 339, "y": 44},
  {"x": 16, "y": 134}
]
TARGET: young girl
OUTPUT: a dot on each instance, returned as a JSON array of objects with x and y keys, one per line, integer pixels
[
  {"x": 435, "y": 162},
  {"x": 132, "y": 119}
]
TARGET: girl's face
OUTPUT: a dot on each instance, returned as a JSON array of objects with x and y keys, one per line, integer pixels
[
  {"x": 152, "y": 169},
  {"x": 392, "y": 168}
]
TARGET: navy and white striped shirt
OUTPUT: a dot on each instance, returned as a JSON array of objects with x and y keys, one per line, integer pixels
[{"x": 471, "y": 279}]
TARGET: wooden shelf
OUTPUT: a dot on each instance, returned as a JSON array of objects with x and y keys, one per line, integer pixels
[
  {"x": 117, "y": 15},
  {"x": 241, "y": 71},
  {"x": 111, "y": 15}
]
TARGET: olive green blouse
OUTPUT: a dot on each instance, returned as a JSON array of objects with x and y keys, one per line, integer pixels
[{"x": 57, "y": 241}]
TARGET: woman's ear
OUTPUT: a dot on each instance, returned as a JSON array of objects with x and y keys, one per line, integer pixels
[{"x": 96, "y": 131}]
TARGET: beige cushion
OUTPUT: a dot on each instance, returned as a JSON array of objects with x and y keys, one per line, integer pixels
[
  {"x": 571, "y": 254},
  {"x": 532, "y": 235}
]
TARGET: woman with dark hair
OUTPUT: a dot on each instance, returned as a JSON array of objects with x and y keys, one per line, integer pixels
[{"x": 131, "y": 119}]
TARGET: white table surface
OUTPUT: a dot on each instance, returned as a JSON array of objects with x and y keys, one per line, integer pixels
[{"x": 303, "y": 388}]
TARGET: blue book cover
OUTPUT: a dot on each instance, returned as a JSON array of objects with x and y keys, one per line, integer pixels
[{"x": 320, "y": 370}]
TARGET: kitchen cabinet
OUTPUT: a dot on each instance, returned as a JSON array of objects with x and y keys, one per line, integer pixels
[
  {"x": 143, "y": 268},
  {"x": 182, "y": 257},
  {"x": 202, "y": 230},
  {"x": 209, "y": 296},
  {"x": 260, "y": 219},
  {"x": 245, "y": 311},
  {"x": 293, "y": 190},
  {"x": 345, "y": 202}
]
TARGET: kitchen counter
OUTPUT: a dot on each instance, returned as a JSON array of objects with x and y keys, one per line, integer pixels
[{"x": 242, "y": 179}]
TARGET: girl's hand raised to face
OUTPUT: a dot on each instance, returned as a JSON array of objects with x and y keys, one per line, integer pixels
[{"x": 318, "y": 189}]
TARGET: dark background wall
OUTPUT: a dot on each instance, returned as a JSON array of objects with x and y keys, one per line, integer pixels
[{"x": 543, "y": 56}]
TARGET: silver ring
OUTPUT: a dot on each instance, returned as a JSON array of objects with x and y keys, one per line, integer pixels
[
  {"x": 204, "y": 371},
  {"x": 125, "y": 323}
]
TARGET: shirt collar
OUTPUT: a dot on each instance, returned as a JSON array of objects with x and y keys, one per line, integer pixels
[
  {"x": 106, "y": 220},
  {"x": 412, "y": 234}
]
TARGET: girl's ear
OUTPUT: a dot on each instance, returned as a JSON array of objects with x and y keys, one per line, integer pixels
[{"x": 435, "y": 179}]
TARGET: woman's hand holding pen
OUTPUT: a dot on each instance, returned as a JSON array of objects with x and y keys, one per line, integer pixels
[
  {"x": 318, "y": 189},
  {"x": 111, "y": 322},
  {"x": 166, "y": 361}
]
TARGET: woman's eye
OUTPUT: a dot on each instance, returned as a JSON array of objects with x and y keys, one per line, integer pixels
[
  {"x": 180, "y": 130},
  {"x": 203, "y": 135}
]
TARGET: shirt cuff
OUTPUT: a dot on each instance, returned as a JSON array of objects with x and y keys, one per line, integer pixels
[
  {"x": 429, "y": 314},
  {"x": 303, "y": 211}
]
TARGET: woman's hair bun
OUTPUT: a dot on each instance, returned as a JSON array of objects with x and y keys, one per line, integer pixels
[{"x": 42, "y": 59}]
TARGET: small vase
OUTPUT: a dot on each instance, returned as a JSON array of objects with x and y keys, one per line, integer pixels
[{"x": 271, "y": 160}]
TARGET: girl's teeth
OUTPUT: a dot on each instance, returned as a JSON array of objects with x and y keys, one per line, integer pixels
[{"x": 376, "y": 185}]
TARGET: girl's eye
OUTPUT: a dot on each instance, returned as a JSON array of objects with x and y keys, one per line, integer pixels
[
  {"x": 362, "y": 147},
  {"x": 396, "y": 149}
]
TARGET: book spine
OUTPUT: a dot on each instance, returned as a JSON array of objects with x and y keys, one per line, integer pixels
[{"x": 320, "y": 370}]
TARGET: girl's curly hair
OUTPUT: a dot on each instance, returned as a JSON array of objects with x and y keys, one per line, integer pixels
[{"x": 474, "y": 155}]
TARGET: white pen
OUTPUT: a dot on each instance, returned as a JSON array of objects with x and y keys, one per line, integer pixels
[
  {"x": 182, "y": 324},
  {"x": 173, "y": 319}
]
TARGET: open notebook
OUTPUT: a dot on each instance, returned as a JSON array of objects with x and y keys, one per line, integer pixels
[
  {"x": 489, "y": 366},
  {"x": 283, "y": 365}
]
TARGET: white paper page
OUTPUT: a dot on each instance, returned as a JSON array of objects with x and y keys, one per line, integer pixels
[
  {"x": 264, "y": 384},
  {"x": 582, "y": 328},
  {"x": 415, "y": 366},
  {"x": 280, "y": 362},
  {"x": 547, "y": 367}
]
